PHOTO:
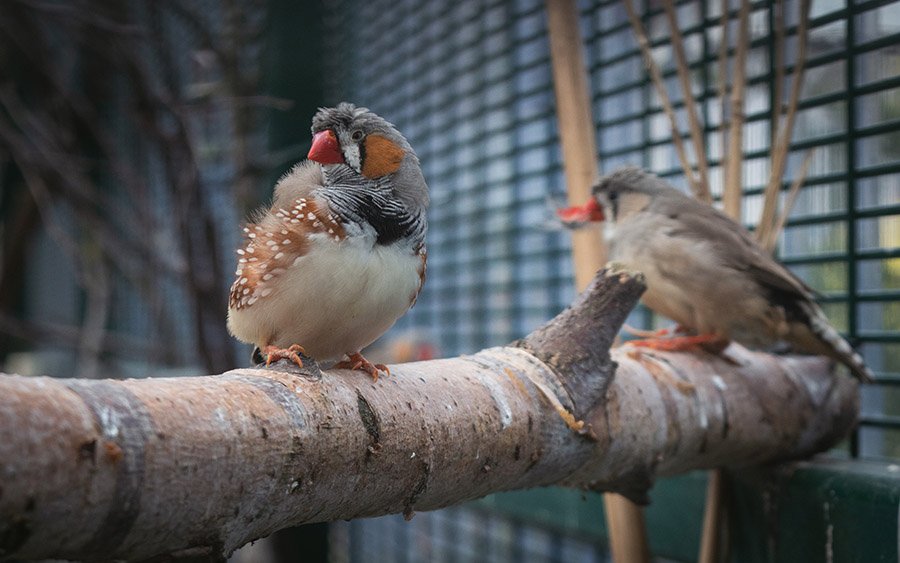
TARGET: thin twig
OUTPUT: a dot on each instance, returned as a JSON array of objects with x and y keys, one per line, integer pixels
[
  {"x": 790, "y": 200},
  {"x": 40, "y": 134},
  {"x": 68, "y": 336},
  {"x": 777, "y": 107},
  {"x": 660, "y": 86},
  {"x": 40, "y": 193},
  {"x": 732, "y": 191},
  {"x": 783, "y": 143},
  {"x": 710, "y": 544},
  {"x": 74, "y": 13},
  {"x": 96, "y": 315},
  {"x": 38, "y": 164},
  {"x": 690, "y": 103},
  {"x": 722, "y": 87}
]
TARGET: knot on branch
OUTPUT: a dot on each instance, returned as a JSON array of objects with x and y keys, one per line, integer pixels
[{"x": 576, "y": 343}]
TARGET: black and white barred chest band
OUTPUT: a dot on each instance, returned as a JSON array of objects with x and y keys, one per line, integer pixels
[{"x": 376, "y": 204}]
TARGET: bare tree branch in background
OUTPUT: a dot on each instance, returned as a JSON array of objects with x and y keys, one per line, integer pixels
[{"x": 94, "y": 116}]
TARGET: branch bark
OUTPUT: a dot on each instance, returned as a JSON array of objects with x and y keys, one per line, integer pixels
[{"x": 197, "y": 466}]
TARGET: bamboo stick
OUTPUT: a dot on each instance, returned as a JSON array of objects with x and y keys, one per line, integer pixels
[
  {"x": 790, "y": 200},
  {"x": 722, "y": 88},
  {"x": 576, "y": 130},
  {"x": 732, "y": 190},
  {"x": 690, "y": 103},
  {"x": 710, "y": 545},
  {"x": 625, "y": 520},
  {"x": 778, "y": 61},
  {"x": 783, "y": 144},
  {"x": 660, "y": 85}
]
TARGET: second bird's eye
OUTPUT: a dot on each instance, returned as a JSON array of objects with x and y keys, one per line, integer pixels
[{"x": 356, "y": 136}]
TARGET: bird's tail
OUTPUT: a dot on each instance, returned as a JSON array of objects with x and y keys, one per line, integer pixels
[{"x": 832, "y": 344}]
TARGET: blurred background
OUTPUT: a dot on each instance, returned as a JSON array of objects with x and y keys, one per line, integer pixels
[{"x": 136, "y": 135}]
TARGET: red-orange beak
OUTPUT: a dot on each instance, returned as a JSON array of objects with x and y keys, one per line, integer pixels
[
  {"x": 325, "y": 148},
  {"x": 581, "y": 214}
]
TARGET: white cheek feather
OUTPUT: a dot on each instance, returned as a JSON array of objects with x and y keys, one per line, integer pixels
[
  {"x": 609, "y": 230},
  {"x": 351, "y": 155}
]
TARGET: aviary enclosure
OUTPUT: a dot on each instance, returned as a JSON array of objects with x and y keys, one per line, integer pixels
[{"x": 135, "y": 136}]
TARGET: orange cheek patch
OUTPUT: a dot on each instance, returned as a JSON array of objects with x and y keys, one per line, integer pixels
[{"x": 383, "y": 157}]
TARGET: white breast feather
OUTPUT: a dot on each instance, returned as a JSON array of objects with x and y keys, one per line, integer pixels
[{"x": 336, "y": 299}]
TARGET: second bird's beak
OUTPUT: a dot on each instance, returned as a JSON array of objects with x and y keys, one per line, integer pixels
[
  {"x": 579, "y": 215},
  {"x": 325, "y": 148}
]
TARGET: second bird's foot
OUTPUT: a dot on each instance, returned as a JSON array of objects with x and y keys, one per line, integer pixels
[{"x": 709, "y": 342}]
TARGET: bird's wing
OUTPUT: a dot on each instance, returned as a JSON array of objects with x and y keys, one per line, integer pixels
[
  {"x": 735, "y": 247},
  {"x": 275, "y": 240}
]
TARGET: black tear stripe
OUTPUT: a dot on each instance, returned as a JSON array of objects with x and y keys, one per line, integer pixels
[{"x": 124, "y": 421}]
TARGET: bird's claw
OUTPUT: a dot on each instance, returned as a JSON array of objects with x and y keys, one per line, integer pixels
[
  {"x": 708, "y": 342},
  {"x": 356, "y": 361},
  {"x": 645, "y": 334},
  {"x": 292, "y": 353}
]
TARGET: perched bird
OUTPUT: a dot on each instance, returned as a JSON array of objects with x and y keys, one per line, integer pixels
[
  {"x": 340, "y": 255},
  {"x": 705, "y": 271}
]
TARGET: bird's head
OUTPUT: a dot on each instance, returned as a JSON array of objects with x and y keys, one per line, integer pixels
[
  {"x": 615, "y": 197},
  {"x": 347, "y": 135}
]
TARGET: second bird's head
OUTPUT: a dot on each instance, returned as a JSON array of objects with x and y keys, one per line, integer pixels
[
  {"x": 370, "y": 146},
  {"x": 616, "y": 197}
]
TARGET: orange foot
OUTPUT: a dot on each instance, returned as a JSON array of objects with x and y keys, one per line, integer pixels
[
  {"x": 274, "y": 353},
  {"x": 646, "y": 334},
  {"x": 709, "y": 342},
  {"x": 356, "y": 361},
  {"x": 641, "y": 333}
]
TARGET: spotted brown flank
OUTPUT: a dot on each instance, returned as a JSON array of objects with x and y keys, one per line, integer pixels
[{"x": 274, "y": 244}]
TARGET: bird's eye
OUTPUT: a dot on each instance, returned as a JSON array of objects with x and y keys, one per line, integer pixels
[
  {"x": 356, "y": 136},
  {"x": 613, "y": 197}
]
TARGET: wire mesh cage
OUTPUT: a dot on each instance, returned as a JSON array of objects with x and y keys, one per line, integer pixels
[{"x": 471, "y": 84}]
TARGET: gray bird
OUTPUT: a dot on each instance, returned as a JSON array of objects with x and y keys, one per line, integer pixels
[
  {"x": 340, "y": 255},
  {"x": 706, "y": 272}
]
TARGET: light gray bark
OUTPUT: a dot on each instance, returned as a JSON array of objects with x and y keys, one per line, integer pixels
[{"x": 137, "y": 468}]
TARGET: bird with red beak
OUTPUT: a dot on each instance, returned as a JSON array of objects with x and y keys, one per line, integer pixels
[
  {"x": 706, "y": 272},
  {"x": 340, "y": 255}
]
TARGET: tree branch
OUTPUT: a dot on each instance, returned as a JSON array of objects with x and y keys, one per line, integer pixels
[{"x": 132, "y": 469}]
